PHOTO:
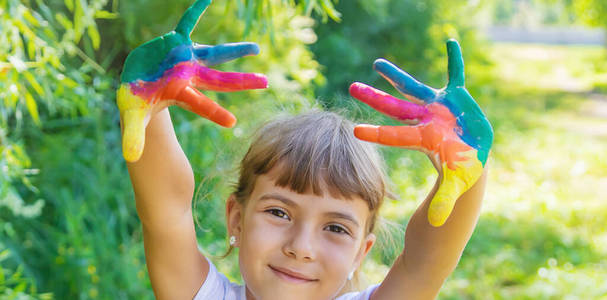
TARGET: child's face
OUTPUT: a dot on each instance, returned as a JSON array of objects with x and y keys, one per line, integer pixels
[{"x": 319, "y": 238}]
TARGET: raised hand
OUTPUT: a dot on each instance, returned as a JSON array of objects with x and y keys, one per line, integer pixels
[
  {"x": 168, "y": 70},
  {"x": 446, "y": 124}
]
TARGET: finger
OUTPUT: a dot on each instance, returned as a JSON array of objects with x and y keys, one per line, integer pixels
[
  {"x": 212, "y": 55},
  {"x": 403, "y": 82},
  {"x": 401, "y": 136},
  {"x": 191, "y": 16},
  {"x": 209, "y": 79},
  {"x": 455, "y": 64},
  {"x": 387, "y": 104},
  {"x": 133, "y": 111},
  {"x": 196, "y": 102},
  {"x": 133, "y": 137},
  {"x": 453, "y": 184}
]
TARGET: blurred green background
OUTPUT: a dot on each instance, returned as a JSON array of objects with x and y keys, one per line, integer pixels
[{"x": 68, "y": 226}]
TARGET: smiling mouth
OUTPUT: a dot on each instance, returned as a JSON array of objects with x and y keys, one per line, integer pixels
[{"x": 290, "y": 276}]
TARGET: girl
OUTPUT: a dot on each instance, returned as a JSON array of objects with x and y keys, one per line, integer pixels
[{"x": 309, "y": 191}]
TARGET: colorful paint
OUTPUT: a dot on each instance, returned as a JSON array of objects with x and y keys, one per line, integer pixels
[
  {"x": 448, "y": 125},
  {"x": 169, "y": 70}
]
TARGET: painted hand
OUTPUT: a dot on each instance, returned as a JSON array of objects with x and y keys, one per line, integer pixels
[
  {"x": 168, "y": 70},
  {"x": 446, "y": 124}
]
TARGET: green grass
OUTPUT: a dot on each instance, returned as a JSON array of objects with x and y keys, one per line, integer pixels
[{"x": 541, "y": 233}]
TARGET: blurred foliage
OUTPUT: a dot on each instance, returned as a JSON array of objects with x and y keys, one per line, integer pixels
[
  {"x": 533, "y": 12},
  {"x": 548, "y": 12},
  {"x": 414, "y": 38},
  {"x": 539, "y": 236},
  {"x": 57, "y": 120},
  {"x": 67, "y": 213},
  {"x": 68, "y": 225},
  {"x": 12, "y": 283},
  {"x": 593, "y": 12},
  {"x": 35, "y": 84}
]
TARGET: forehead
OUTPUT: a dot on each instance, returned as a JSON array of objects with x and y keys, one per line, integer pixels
[{"x": 265, "y": 189}]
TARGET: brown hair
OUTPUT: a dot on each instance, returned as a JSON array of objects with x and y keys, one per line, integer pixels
[{"x": 316, "y": 151}]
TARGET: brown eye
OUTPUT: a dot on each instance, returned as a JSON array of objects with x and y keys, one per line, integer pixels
[
  {"x": 278, "y": 213},
  {"x": 337, "y": 229}
]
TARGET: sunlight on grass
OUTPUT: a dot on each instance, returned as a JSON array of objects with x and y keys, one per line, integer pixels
[
  {"x": 568, "y": 68},
  {"x": 541, "y": 233},
  {"x": 544, "y": 198}
]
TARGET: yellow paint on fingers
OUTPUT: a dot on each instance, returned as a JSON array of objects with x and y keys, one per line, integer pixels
[
  {"x": 133, "y": 110},
  {"x": 453, "y": 184}
]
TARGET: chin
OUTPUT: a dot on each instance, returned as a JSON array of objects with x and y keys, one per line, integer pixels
[{"x": 277, "y": 290}]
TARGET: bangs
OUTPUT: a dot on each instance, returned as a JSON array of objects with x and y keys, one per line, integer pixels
[{"x": 315, "y": 152}]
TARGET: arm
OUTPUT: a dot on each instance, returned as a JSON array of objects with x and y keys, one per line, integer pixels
[
  {"x": 163, "y": 170},
  {"x": 163, "y": 182},
  {"x": 165, "y": 71},
  {"x": 432, "y": 253},
  {"x": 451, "y": 129}
]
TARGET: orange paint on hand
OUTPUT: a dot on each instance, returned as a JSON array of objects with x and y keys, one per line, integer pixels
[{"x": 448, "y": 126}]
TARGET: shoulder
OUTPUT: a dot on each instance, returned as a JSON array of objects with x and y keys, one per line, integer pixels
[
  {"x": 361, "y": 295},
  {"x": 217, "y": 286}
]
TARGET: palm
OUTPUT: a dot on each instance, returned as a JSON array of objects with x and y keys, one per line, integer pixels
[
  {"x": 169, "y": 70},
  {"x": 448, "y": 125}
]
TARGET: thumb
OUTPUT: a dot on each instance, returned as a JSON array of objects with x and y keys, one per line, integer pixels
[
  {"x": 133, "y": 113},
  {"x": 453, "y": 184}
]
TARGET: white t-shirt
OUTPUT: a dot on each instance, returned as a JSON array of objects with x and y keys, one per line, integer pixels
[{"x": 218, "y": 287}]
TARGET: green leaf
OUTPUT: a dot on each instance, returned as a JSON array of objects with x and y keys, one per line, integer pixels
[
  {"x": 31, "y": 49},
  {"x": 69, "y": 4},
  {"x": 30, "y": 18},
  {"x": 24, "y": 29},
  {"x": 32, "y": 107},
  {"x": 94, "y": 35},
  {"x": 308, "y": 6},
  {"x": 2, "y": 280},
  {"x": 55, "y": 62},
  {"x": 330, "y": 9},
  {"x": 50, "y": 33},
  {"x": 78, "y": 24},
  {"x": 11, "y": 100},
  {"x": 34, "y": 83},
  {"x": 65, "y": 22},
  {"x": 46, "y": 296},
  {"x": 4, "y": 255},
  {"x": 20, "y": 287},
  {"x": 17, "y": 274},
  {"x": 104, "y": 14},
  {"x": 70, "y": 83}
]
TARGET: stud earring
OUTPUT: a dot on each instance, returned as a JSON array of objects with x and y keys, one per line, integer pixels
[
  {"x": 350, "y": 275},
  {"x": 232, "y": 240}
]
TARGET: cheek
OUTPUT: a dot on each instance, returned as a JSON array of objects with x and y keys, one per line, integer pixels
[
  {"x": 259, "y": 238},
  {"x": 259, "y": 246},
  {"x": 338, "y": 254},
  {"x": 260, "y": 228}
]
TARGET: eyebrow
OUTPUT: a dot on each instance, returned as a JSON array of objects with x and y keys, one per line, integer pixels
[
  {"x": 339, "y": 215},
  {"x": 289, "y": 202},
  {"x": 280, "y": 198}
]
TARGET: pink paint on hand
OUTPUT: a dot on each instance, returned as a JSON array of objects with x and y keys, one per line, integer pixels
[
  {"x": 209, "y": 79},
  {"x": 389, "y": 105},
  {"x": 200, "y": 77}
]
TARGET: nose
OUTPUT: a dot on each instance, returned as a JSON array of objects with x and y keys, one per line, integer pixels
[{"x": 300, "y": 243}]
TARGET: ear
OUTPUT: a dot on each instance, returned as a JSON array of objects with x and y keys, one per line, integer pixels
[
  {"x": 234, "y": 213},
  {"x": 366, "y": 246}
]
